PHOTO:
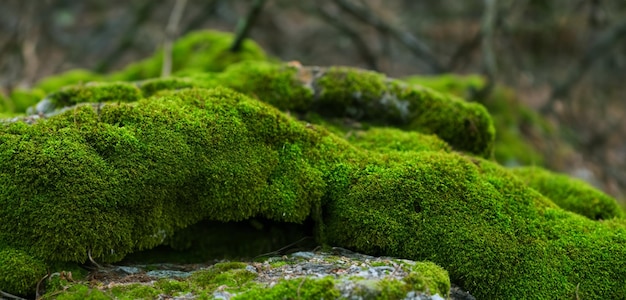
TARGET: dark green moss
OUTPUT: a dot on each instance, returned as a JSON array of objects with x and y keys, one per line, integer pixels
[
  {"x": 299, "y": 288},
  {"x": 570, "y": 194}
]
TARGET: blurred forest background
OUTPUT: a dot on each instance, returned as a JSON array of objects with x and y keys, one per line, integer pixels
[{"x": 565, "y": 59}]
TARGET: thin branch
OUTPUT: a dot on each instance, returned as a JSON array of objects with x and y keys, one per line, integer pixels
[
  {"x": 489, "y": 60},
  {"x": 597, "y": 50},
  {"x": 244, "y": 25},
  {"x": 171, "y": 32},
  {"x": 360, "y": 44},
  {"x": 417, "y": 47}
]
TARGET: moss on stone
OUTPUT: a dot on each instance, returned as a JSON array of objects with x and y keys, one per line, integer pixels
[
  {"x": 123, "y": 178},
  {"x": 232, "y": 275},
  {"x": 299, "y": 288},
  {"x": 206, "y": 51},
  {"x": 570, "y": 194}
]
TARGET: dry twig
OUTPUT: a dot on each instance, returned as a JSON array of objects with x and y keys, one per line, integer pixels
[{"x": 170, "y": 34}]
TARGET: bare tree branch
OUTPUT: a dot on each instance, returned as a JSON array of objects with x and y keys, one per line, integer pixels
[
  {"x": 599, "y": 49},
  {"x": 360, "y": 44},
  {"x": 489, "y": 60},
  {"x": 244, "y": 25},
  {"x": 171, "y": 31},
  {"x": 417, "y": 47}
]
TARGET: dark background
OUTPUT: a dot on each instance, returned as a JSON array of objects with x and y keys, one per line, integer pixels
[{"x": 564, "y": 58}]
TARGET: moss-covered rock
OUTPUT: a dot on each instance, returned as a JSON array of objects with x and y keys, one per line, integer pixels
[
  {"x": 114, "y": 180},
  {"x": 570, "y": 194},
  {"x": 336, "y": 92}
]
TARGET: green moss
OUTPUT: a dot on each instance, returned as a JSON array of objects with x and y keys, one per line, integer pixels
[
  {"x": 571, "y": 194},
  {"x": 390, "y": 139},
  {"x": 495, "y": 236},
  {"x": 275, "y": 84},
  {"x": 299, "y": 288},
  {"x": 373, "y": 97},
  {"x": 78, "y": 292},
  {"x": 19, "y": 271},
  {"x": 429, "y": 277},
  {"x": 229, "y": 274},
  {"x": 96, "y": 92},
  {"x": 133, "y": 291},
  {"x": 128, "y": 176},
  {"x": 206, "y": 51},
  {"x": 172, "y": 287}
]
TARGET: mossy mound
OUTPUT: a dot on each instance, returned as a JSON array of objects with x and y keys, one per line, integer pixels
[
  {"x": 116, "y": 179},
  {"x": 333, "y": 92},
  {"x": 570, "y": 194}
]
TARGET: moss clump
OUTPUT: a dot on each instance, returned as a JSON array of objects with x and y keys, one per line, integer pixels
[
  {"x": 570, "y": 194},
  {"x": 230, "y": 274},
  {"x": 275, "y": 84},
  {"x": 495, "y": 236},
  {"x": 206, "y": 51},
  {"x": 96, "y": 92},
  {"x": 427, "y": 276},
  {"x": 124, "y": 178},
  {"x": 176, "y": 160},
  {"x": 299, "y": 288},
  {"x": 390, "y": 139},
  {"x": 373, "y": 97},
  {"x": 19, "y": 271}
]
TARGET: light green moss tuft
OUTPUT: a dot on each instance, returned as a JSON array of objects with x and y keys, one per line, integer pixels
[{"x": 570, "y": 194}]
